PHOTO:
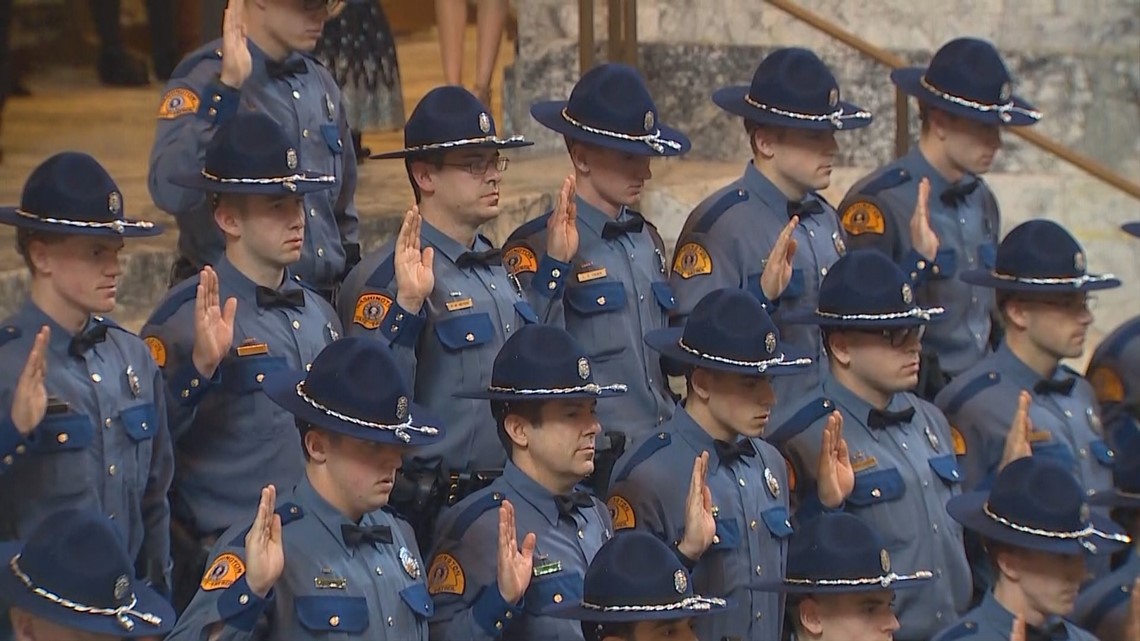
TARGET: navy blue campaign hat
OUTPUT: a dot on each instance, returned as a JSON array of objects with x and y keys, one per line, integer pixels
[
  {"x": 967, "y": 78},
  {"x": 74, "y": 571},
  {"x": 610, "y": 107},
  {"x": 71, "y": 193},
  {"x": 356, "y": 388},
  {"x": 865, "y": 288},
  {"x": 837, "y": 552},
  {"x": 1040, "y": 256},
  {"x": 447, "y": 118},
  {"x": 1132, "y": 228},
  {"x": 730, "y": 331},
  {"x": 1037, "y": 503},
  {"x": 636, "y": 577},
  {"x": 793, "y": 88},
  {"x": 252, "y": 154},
  {"x": 541, "y": 362}
]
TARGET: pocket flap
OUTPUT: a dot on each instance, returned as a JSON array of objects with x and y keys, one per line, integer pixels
[
  {"x": 526, "y": 312},
  {"x": 332, "y": 613},
  {"x": 595, "y": 298},
  {"x": 1057, "y": 451},
  {"x": 778, "y": 520},
  {"x": 664, "y": 294},
  {"x": 245, "y": 374},
  {"x": 727, "y": 535},
  {"x": 462, "y": 332},
  {"x": 1102, "y": 453},
  {"x": 987, "y": 255},
  {"x": 878, "y": 486},
  {"x": 331, "y": 134},
  {"x": 418, "y": 599},
  {"x": 552, "y": 591},
  {"x": 62, "y": 432},
  {"x": 947, "y": 262},
  {"x": 946, "y": 467},
  {"x": 139, "y": 422}
]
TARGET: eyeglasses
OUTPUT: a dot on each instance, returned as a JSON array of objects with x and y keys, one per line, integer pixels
[
  {"x": 1074, "y": 304},
  {"x": 480, "y": 166},
  {"x": 329, "y": 5},
  {"x": 899, "y": 336}
]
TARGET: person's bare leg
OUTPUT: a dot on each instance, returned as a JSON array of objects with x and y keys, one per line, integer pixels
[
  {"x": 451, "y": 22},
  {"x": 489, "y": 23}
]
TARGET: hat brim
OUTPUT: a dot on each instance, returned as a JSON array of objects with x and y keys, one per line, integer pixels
[
  {"x": 986, "y": 278},
  {"x": 1114, "y": 498},
  {"x": 603, "y": 391},
  {"x": 893, "y": 582},
  {"x": 281, "y": 388},
  {"x": 967, "y": 509},
  {"x": 549, "y": 115},
  {"x": 732, "y": 100},
  {"x": 1132, "y": 228},
  {"x": 13, "y": 593},
  {"x": 666, "y": 342},
  {"x": 498, "y": 143},
  {"x": 130, "y": 229},
  {"x": 311, "y": 182},
  {"x": 909, "y": 80},
  {"x": 917, "y": 316},
  {"x": 576, "y": 612}
]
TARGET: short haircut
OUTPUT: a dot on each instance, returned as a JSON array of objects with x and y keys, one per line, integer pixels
[
  {"x": 304, "y": 427},
  {"x": 528, "y": 410},
  {"x": 24, "y": 238},
  {"x": 435, "y": 160},
  {"x": 751, "y": 127}
]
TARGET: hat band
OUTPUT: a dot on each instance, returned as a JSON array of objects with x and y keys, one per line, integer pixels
[
  {"x": 589, "y": 388},
  {"x": 114, "y": 225},
  {"x": 465, "y": 141},
  {"x": 1003, "y": 110},
  {"x": 836, "y": 117},
  {"x": 760, "y": 366},
  {"x": 688, "y": 603},
  {"x": 914, "y": 312},
  {"x": 885, "y": 580},
  {"x": 1080, "y": 534},
  {"x": 401, "y": 429},
  {"x": 288, "y": 181},
  {"x": 1075, "y": 281},
  {"x": 654, "y": 140},
  {"x": 122, "y": 614}
]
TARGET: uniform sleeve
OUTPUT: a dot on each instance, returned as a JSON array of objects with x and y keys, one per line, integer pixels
[
  {"x": 541, "y": 278},
  {"x": 344, "y": 209},
  {"x": 635, "y": 502},
  {"x": 801, "y": 454},
  {"x": 155, "y": 504},
  {"x": 703, "y": 263},
  {"x": 370, "y": 309},
  {"x": 224, "y": 604},
  {"x": 171, "y": 345},
  {"x": 978, "y": 428}
]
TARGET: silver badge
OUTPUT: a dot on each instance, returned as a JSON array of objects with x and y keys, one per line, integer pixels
[
  {"x": 907, "y": 294},
  {"x": 333, "y": 334},
  {"x": 770, "y": 342},
  {"x": 1094, "y": 422},
  {"x": 1006, "y": 92},
  {"x": 1079, "y": 261},
  {"x": 840, "y": 246},
  {"x": 833, "y": 97},
  {"x": 402, "y": 407},
  {"x": 330, "y": 108},
  {"x": 932, "y": 437},
  {"x": 680, "y": 581},
  {"x": 133, "y": 381},
  {"x": 291, "y": 158},
  {"x": 884, "y": 560},
  {"x": 484, "y": 122},
  {"x": 773, "y": 484},
  {"x": 122, "y": 588},
  {"x": 411, "y": 565},
  {"x": 649, "y": 121},
  {"x": 115, "y": 203},
  {"x": 1084, "y": 513},
  {"x": 583, "y": 368}
]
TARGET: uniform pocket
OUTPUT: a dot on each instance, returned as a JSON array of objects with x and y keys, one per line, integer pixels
[
  {"x": 947, "y": 261},
  {"x": 987, "y": 255},
  {"x": 245, "y": 374},
  {"x": 347, "y": 614},
  {"x": 727, "y": 535},
  {"x": 526, "y": 312},
  {"x": 597, "y": 318},
  {"x": 596, "y": 298},
  {"x": 552, "y": 591},
  {"x": 462, "y": 332},
  {"x": 664, "y": 295},
  {"x": 59, "y": 448},
  {"x": 1102, "y": 453},
  {"x": 417, "y": 598},
  {"x": 879, "y": 486},
  {"x": 62, "y": 433},
  {"x": 331, "y": 134},
  {"x": 778, "y": 521},
  {"x": 946, "y": 468},
  {"x": 1057, "y": 451}
]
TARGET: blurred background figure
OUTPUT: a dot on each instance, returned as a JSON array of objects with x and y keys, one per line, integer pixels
[{"x": 451, "y": 18}]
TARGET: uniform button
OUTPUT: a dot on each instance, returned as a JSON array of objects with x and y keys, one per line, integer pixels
[
  {"x": 111, "y": 516},
  {"x": 391, "y": 622},
  {"x": 296, "y": 95},
  {"x": 493, "y": 288},
  {"x": 194, "y": 382},
  {"x": 112, "y": 469},
  {"x": 20, "y": 449},
  {"x": 876, "y": 493},
  {"x": 823, "y": 271},
  {"x": 938, "y": 615},
  {"x": 393, "y": 329},
  {"x": 1068, "y": 414},
  {"x": 926, "y": 484},
  {"x": 107, "y": 422},
  {"x": 296, "y": 324},
  {"x": 509, "y": 615},
  {"x": 811, "y": 232},
  {"x": 217, "y": 97},
  {"x": 741, "y": 481},
  {"x": 334, "y": 620},
  {"x": 508, "y": 328},
  {"x": 312, "y": 213},
  {"x": 759, "y": 615},
  {"x": 212, "y": 111},
  {"x": 551, "y": 285},
  {"x": 556, "y": 272},
  {"x": 962, "y": 220},
  {"x": 243, "y": 599},
  {"x": 558, "y": 598},
  {"x": 905, "y": 447},
  {"x": 753, "y": 524},
  {"x": 716, "y": 539},
  {"x": 95, "y": 377},
  {"x": 601, "y": 300},
  {"x": 759, "y": 570},
  {"x": 498, "y": 625},
  {"x": 1084, "y": 453},
  {"x": 8, "y": 460},
  {"x": 581, "y": 534},
  {"x": 308, "y": 366},
  {"x": 304, "y": 133},
  {"x": 379, "y": 571},
  {"x": 260, "y": 378},
  {"x": 641, "y": 298},
  {"x": 62, "y": 438},
  {"x": 320, "y": 251},
  {"x": 185, "y": 394},
  {"x": 1090, "y": 492},
  {"x": 470, "y": 338},
  {"x": 921, "y": 264},
  {"x": 974, "y": 299},
  {"x": 935, "y": 527},
  {"x": 399, "y": 316}
]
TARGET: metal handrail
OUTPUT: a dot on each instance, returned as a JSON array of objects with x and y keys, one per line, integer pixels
[{"x": 1093, "y": 167}]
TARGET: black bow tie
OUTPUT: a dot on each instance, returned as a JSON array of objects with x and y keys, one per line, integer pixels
[
  {"x": 878, "y": 419},
  {"x": 804, "y": 208},
  {"x": 267, "y": 297},
  {"x": 632, "y": 225},
  {"x": 1052, "y": 632},
  {"x": 957, "y": 193},
  {"x": 354, "y": 535},
  {"x": 487, "y": 258},
  {"x": 730, "y": 452},
  {"x": 568, "y": 503},
  {"x": 85, "y": 340},
  {"x": 292, "y": 66},
  {"x": 1063, "y": 386}
]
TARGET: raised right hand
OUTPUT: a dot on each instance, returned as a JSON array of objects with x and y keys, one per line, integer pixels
[
  {"x": 922, "y": 236},
  {"x": 213, "y": 324},
  {"x": 264, "y": 549},
  {"x": 237, "y": 63},
  {"x": 1017, "y": 440},
  {"x": 29, "y": 400},
  {"x": 778, "y": 267},
  {"x": 515, "y": 564},
  {"x": 415, "y": 275}
]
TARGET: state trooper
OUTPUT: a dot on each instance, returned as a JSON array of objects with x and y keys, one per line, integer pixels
[
  {"x": 1038, "y": 531},
  {"x": 72, "y": 579},
  {"x": 899, "y": 446},
  {"x": 616, "y": 288},
  {"x": 261, "y": 63},
  {"x": 731, "y": 351},
  {"x": 965, "y": 98},
  {"x": 86, "y": 417},
  {"x": 439, "y": 295},
  {"x": 636, "y": 589},
  {"x": 1043, "y": 287},
  {"x": 327, "y": 558},
  {"x": 841, "y": 581},
  {"x": 229, "y": 439}
]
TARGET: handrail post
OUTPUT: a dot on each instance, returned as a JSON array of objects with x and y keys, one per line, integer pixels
[
  {"x": 585, "y": 35},
  {"x": 902, "y": 123},
  {"x": 615, "y": 46},
  {"x": 630, "y": 37}
]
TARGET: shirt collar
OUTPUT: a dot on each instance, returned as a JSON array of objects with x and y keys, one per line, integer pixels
[
  {"x": 858, "y": 408},
  {"x": 237, "y": 283},
  {"x": 259, "y": 58},
  {"x": 1016, "y": 370},
  {"x": 759, "y": 185},
  {"x": 995, "y": 614},
  {"x": 919, "y": 166},
  {"x": 695, "y": 435},
  {"x": 315, "y": 505},
  {"x": 530, "y": 491},
  {"x": 447, "y": 245},
  {"x": 595, "y": 219},
  {"x": 32, "y": 318}
]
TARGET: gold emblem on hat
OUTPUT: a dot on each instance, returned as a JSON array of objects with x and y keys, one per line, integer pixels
[
  {"x": 884, "y": 560},
  {"x": 770, "y": 342},
  {"x": 833, "y": 97},
  {"x": 115, "y": 203},
  {"x": 649, "y": 121},
  {"x": 1084, "y": 513},
  {"x": 583, "y": 368},
  {"x": 291, "y": 158},
  {"x": 402, "y": 407},
  {"x": 484, "y": 122},
  {"x": 1079, "y": 261},
  {"x": 122, "y": 588},
  {"x": 1006, "y": 91},
  {"x": 773, "y": 484},
  {"x": 907, "y": 294},
  {"x": 680, "y": 581}
]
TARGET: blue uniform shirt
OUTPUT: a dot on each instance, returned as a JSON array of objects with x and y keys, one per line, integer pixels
[
  {"x": 450, "y": 346},
  {"x": 463, "y": 574},
  {"x": 1102, "y": 606},
  {"x": 103, "y": 444},
  {"x": 1114, "y": 372},
  {"x": 904, "y": 475},
  {"x": 750, "y": 503},
  {"x": 877, "y": 213},
  {"x": 990, "y": 621},
  {"x": 307, "y": 106},
  {"x": 371, "y": 591},
  {"x": 230, "y": 439},
  {"x": 616, "y": 290}
]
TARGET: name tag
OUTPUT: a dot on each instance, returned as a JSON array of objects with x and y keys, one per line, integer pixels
[
  {"x": 544, "y": 569},
  {"x": 1040, "y": 436},
  {"x": 459, "y": 305},
  {"x": 593, "y": 274},
  {"x": 335, "y": 583},
  {"x": 860, "y": 464},
  {"x": 252, "y": 349}
]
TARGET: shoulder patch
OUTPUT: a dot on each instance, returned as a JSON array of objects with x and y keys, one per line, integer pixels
[
  {"x": 371, "y": 309},
  {"x": 716, "y": 210},
  {"x": 529, "y": 228},
  {"x": 1107, "y": 384},
  {"x": 804, "y": 418},
  {"x": 9, "y": 333},
  {"x": 181, "y": 294},
  {"x": 621, "y": 513},
  {"x": 385, "y": 272},
  {"x": 885, "y": 180},
  {"x": 289, "y": 512},
  {"x": 445, "y": 576},
  {"x": 692, "y": 260},
  {"x": 643, "y": 452},
  {"x": 157, "y": 350},
  {"x": 520, "y": 259},
  {"x": 472, "y": 512},
  {"x": 970, "y": 390},
  {"x": 223, "y": 572},
  {"x": 863, "y": 217},
  {"x": 959, "y": 441},
  {"x": 178, "y": 102}
]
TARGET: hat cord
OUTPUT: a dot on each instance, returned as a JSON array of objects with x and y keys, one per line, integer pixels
[
  {"x": 836, "y": 117},
  {"x": 590, "y": 388},
  {"x": 914, "y": 312},
  {"x": 1086, "y": 531},
  {"x": 1003, "y": 109},
  {"x": 401, "y": 429},
  {"x": 116, "y": 225},
  {"x": 761, "y": 366},
  {"x": 654, "y": 140},
  {"x": 884, "y": 580},
  {"x": 688, "y": 603}
]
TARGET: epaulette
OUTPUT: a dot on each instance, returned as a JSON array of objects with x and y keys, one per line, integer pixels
[
  {"x": 885, "y": 180},
  {"x": 182, "y": 292},
  {"x": 970, "y": 390},
  {"x": 643, "y": 452},
  {"x": 1109, "y": 602},
  {"x": 472, "y": 512},
  {"x": 804, "y": 418},
  {"x": 385, "y": 272},
  {"x": 309, "y": 286},
  {"x": 9, "y": 333},
  {"x": 211, "y": 51},
  {"x": 529, "y": 228},
  {"x": 963, "y": 629},
  {"x": 289, "y": 513},
  {"x": 716, "y": 210}
]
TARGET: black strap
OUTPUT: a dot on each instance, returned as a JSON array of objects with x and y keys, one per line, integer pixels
[
  {"x": 730, "y": 452},
  {"x": 355, "y": 534},
  {"x": 1062, "y": 386},
  {"x": 292, "y": 66},
  {"x": 955, "y": 194},
  {"x": 569, "y": 503},
  {"x": 85, "y": 340},
  {"x": 613, "y": 229},
  {"x": 267, "y": 297},
  {"x": 488, "y": 258},
  {"x": 879, "y": 419}
]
